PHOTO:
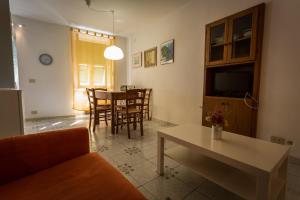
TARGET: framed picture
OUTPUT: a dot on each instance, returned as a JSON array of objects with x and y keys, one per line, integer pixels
[
  {"x": 150, "y": 57},
  {"x": 167, "y": 52},
  {"x": 137, "y": 59}
]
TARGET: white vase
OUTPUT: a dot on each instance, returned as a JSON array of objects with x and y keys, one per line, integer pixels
[{"x": 217, "y": 132}]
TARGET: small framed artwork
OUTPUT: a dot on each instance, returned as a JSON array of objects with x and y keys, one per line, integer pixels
[
  {"x": 150, "y": 57},
  {"x": 137, "y": 59},
  {"x": 167, "y": 52}
]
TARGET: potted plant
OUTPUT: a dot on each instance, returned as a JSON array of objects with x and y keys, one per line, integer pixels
[{"x": 216, "y": 118}]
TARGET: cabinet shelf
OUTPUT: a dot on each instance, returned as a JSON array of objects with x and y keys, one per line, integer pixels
[
  {"x": 242, "y": 39},
  {"x": 217, "y": 45},
  {"x": 229, "y": 98}
]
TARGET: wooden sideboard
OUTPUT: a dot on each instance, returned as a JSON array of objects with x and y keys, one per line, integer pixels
[{"x": 233, "y": 49}]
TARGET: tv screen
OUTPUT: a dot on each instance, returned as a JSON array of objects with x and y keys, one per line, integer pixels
[{"x": 232, "y": 84}]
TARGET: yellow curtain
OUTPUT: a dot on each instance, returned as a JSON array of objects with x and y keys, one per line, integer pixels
[{"x": 90, "y": 68}]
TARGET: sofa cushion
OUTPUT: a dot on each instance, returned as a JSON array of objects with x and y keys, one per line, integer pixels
[{"x": 86, "y": 177}]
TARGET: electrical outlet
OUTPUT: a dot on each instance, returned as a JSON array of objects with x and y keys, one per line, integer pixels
[
  {"x": 34, "y": 112},
  {"x": 290, "y": 142},
  {"x": 278, "y": 140}
]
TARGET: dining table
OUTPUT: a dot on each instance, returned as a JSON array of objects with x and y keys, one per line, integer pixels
[{"x": 113, "y": 96}]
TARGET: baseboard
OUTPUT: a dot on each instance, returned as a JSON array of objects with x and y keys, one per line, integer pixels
[
  {"x": 164, "y": 122},
  {"x": 56, "y": 117},
  {"x": 294, "y": 160}
]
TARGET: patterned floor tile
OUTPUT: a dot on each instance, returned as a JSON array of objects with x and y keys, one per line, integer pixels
[
  {"x": 188, "y": 176},
  {"x": 144, "y": 173},
  {"x": 172, "y": 189},
  {"x": 215, "y": 192},
  {"x": 147, "y": 194},
  {"x": 196, "y": 196}
]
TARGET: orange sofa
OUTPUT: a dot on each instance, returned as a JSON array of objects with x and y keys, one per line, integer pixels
[{"x": 58, "y": 165}]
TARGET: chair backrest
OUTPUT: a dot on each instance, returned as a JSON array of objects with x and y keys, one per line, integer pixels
[
  {"x": 101, "y": 97},
  {"x": 91, "y": 97},
  {"x": 124, "y": 88},
  {"x": 135, "y": 98},
  {"x": 147, "y": 96},
  {"x": 100, "y": 89},
  {"x": 93, "y": 101}
]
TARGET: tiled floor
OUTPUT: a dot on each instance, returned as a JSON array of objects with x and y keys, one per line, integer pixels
[{"x": 136, "y": 160}]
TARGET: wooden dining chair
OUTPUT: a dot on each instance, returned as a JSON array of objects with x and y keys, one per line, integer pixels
[
  {"x": 97, "y": 110},
  {"x": 147, "y": 104},
  {"x": 133, "y": 110}
]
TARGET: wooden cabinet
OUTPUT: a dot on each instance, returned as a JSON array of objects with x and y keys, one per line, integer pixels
[
  {"x": 216, "y": 42},
  {"x": 236, "y": 113},
  {"x": 232, "y": 67},
  {"x": 232, "y": 39}
]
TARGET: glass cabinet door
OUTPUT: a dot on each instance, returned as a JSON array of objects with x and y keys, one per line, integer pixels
[
  {"x": 242, "y": 36},
  {"x": 216, "y": 50}
]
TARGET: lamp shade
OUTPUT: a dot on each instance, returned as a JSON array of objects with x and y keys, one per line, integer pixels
[{"x": 113, "y": 53}]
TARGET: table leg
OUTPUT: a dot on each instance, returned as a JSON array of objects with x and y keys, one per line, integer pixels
[
  {"x": 263, "y": 187},
  {"x": 160, "y": 155},
  {"x": 282, "y": 173},
  {"x": 112, "y": 121}
]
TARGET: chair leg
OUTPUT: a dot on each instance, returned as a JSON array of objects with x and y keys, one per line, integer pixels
[
  {"x": 148, "y": 113},
  {"x": 95, "y": 116},
  {"x": 106, "y": 118},
  {"x": 141, "y": 125},
  {"x": 128, "y": 127},
  {"x": 117, "y": 124},
  {"x": 90, "y": 122},
  {"x": 122, "y": 121},
  {"x": 134, "y": 122}
]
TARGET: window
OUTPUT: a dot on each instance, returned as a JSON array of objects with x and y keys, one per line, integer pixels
[
  {"x": 90, "y": 76},
  {"x": 91, "y": 69},
  {"x": 99, "y": 76},
  {"x": 84, "y": 75}
]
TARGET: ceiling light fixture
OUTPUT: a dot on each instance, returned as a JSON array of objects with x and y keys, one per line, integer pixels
[{"x": 112, "y": 52}]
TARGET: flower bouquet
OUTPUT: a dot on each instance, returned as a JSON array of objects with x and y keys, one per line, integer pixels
[{"x": 216, "y": 118}]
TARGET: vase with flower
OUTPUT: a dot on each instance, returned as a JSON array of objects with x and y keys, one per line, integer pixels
[{"x": 216, "y": 118}]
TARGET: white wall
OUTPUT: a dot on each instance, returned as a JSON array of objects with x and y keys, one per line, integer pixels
[
  {"x": 178, "y": 87},
  {"x": 121, "y": 65},
  {"x": 51, "y": 94},
  {"x": 279, "y": 112}
]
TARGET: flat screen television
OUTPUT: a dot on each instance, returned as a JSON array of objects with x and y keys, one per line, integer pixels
[{"x": 232, "y": 83}]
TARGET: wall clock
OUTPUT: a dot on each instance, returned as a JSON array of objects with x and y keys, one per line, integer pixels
[{"x": 46, "y": 59}]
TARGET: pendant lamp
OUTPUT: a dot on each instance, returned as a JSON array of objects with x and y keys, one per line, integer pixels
[{"x": 113, "y": 52}]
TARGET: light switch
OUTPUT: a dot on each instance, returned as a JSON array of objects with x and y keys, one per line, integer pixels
[
  {"x": 34, "y": 112},
  {"x": 31, "y": 80}
]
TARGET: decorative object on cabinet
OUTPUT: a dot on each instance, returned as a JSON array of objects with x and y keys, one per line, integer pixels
[
  {"x": 167, "y": 52},
  {"x": 216, "y": 118},
  {"x": 137, "y": 59},
  {"x": 150, "y": 57},
  {"x": 233, "y": 51}
]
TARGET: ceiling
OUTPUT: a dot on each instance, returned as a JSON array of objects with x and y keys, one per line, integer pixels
[{"x": 129, "y": 14}]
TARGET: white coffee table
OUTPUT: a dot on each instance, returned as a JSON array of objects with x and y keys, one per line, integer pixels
[{"x": 249, "y": 167}]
